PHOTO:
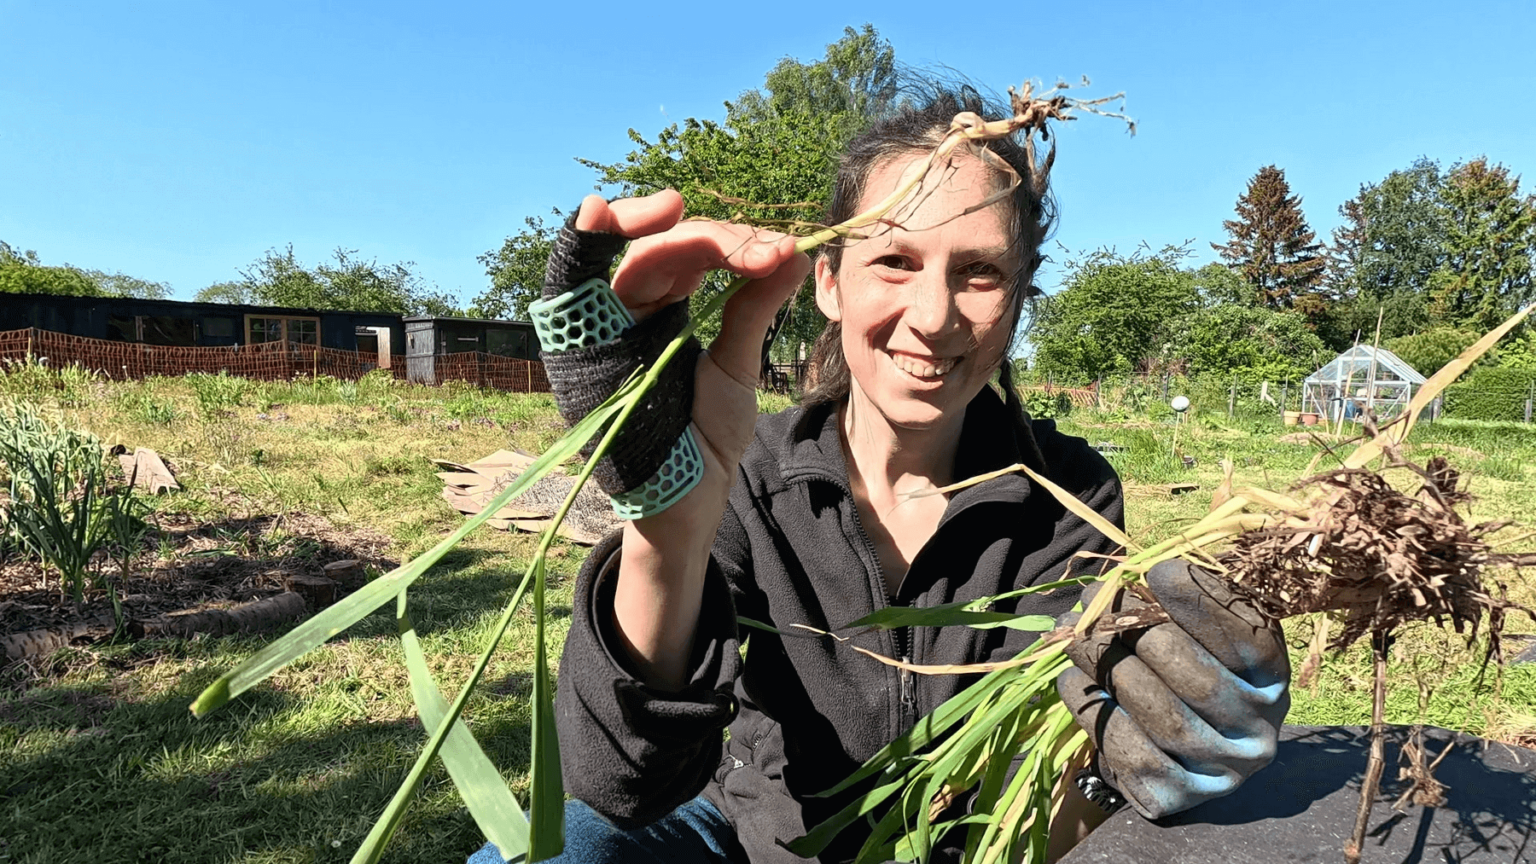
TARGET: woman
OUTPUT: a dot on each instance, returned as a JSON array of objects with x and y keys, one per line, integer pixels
[{"x": 806, "y": 518}]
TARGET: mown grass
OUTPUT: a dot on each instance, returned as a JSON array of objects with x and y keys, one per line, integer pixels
[{"x": 103, "y": 762}]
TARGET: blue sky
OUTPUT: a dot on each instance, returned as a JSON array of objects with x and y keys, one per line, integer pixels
[{"x": 178, "y": 142}]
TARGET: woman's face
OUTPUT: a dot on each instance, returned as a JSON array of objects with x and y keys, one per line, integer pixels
[{"x": 923, "y": 302}]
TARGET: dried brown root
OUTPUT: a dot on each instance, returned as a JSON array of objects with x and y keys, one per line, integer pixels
[
  {"x": 1423, "y": 789},
  {"x": 1373, "y": 559}
]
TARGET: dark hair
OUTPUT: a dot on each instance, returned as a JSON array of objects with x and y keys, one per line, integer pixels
[{"x": 918, "y": 129}]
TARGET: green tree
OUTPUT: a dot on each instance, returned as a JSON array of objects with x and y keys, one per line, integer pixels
[
  {"x": 123, "y": 285},
  {"x": 516, "y": 271},
  {"x": 1490, "y": 230},
  {"x": 349, "y": 283},
  {"x": 1112, "y": 316},
  {"x": 1431, "y": 349},
  {"x": 24, "y": 273},
  {"x": 1383, "y": 254},
  {"x": 1220, "y": 285},
  {"x": 778, "y": 145},
  {"x": 1254, "y": 342},
  {"x": 1272, "y": 246},
  {"x": 1401, "y": 222},
  {"x": 233, "y": 293}
]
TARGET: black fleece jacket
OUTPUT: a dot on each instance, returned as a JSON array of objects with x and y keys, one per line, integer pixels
[{"x": 804, "y": 712}]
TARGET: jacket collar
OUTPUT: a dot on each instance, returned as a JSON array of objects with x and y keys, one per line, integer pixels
[{"x": 990, "y": 438}]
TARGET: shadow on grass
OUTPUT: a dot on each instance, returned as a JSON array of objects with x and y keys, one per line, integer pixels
[{"x": 93, "y": 776}]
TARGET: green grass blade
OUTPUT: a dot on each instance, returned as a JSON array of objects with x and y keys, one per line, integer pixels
[
  {"x": 816, "y": 839},
  {"x": 356, "y": 606},
  {"x": 757, "y": 625},
  {"x": 943, "y": 615},
  {"x": 373, "y": 845},
  {"x": 921, "y": 734},
  {"x": 1028, "y": 623},
  {"x": 485, "y": 793},
  {"x": 546, "y": 836},
  {"x": 383, "y": 829}
]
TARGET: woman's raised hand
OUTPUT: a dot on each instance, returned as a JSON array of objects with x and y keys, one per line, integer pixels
[
  {"x": 662, "y": 569},
  {"x": 667, "y": 261}
]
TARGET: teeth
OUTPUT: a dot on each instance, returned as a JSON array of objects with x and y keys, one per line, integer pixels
[{"x": 922, "y": 369}]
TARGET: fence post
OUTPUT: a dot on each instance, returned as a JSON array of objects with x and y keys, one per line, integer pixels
[
  {"x": 1232, "y": 397},
  {"x": 1098, "y": 393},
  {"x": 1529, "y": 398},
  {"x": 1285, "y": 396}
]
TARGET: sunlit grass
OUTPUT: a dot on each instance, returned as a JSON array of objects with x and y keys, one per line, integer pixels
[{"x": 103, "y": 762}]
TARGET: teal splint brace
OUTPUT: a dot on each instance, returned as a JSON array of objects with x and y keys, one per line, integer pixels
[{"x": 586, "y": 317}]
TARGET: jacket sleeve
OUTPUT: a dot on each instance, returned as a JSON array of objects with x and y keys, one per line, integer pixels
[{"x": 632, "y": 752}]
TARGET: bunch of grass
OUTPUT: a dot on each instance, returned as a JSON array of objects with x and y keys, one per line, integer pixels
[
  {"x": 1345, "y": 542},
  {"x": 538, "y": 835}
]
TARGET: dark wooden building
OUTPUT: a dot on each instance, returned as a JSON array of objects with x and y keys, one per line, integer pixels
[
  {"x": 429, "y": 337},
  {"x": 174, "y": 322}
]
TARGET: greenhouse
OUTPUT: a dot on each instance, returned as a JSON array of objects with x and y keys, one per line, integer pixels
[{"x": 1361, "y": 379}]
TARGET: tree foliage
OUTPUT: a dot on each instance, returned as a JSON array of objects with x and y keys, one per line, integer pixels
[
  {"x": 349, "y": 283},
  {"x": 1485, "y": 275},
  {"x": 1431, "y": 349},
  {"x": 778, "y": 145},
  {"x": 1112, "y": 314},
  {"x": 1271, "y": 245},
  {"x": 516, "y": 271},
  {"x": 22, "y": 272},
  {"x": 1255, "y": 343}
]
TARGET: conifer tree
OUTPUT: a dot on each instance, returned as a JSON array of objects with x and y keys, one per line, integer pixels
[
  {"x": 1350, "y": 240},
  {"x": 1489, "y": 238},
  {"x": 1272, "y": 246}
]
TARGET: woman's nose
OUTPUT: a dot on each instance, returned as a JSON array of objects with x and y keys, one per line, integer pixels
[{"x": 930, "y": 305}]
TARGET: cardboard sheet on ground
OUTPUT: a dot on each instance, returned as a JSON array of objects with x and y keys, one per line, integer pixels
[
  {"x": 146, "y": 470},
  {"x": 468, "y": 488}
]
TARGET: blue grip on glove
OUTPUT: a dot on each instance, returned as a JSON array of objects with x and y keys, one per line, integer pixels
[{"x": 1185, "y": 711}]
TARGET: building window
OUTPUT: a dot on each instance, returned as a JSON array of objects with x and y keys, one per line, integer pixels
[
  {"x": 153, "y": 329},
  {"x": 506, "y": 343},
  {"x": 167, "y": 330},
  {"x": 123, "y": 328},
  {"x": 295, "y": 331},
  {"x": 218, "y": 328}
]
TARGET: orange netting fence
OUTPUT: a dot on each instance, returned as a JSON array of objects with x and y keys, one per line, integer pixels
[
  {"x": 1080, "y": 397},
  {"x": 268, "y": 361}
]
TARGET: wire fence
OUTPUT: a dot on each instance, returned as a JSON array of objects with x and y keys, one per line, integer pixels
[{"x": 270, "y": 361}]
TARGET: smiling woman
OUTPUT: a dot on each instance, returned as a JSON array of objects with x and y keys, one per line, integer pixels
[{"x": 807, "y": 517}]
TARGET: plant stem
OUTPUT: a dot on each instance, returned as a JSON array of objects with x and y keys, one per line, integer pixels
[{"x": 1377, "y": 762}]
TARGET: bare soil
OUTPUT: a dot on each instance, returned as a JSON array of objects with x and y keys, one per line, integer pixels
[{"x": 187, "y": 565}]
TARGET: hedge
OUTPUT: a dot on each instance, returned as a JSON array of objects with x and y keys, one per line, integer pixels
[{"x": 1490, "y": 393}]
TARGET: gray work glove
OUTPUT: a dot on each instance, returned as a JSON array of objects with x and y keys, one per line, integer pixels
[{"x": 1185, "y": 711}]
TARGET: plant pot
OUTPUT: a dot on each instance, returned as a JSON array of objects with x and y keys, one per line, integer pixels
[
  {"x": 1291, "y": 418},
  {"x": 1310, "y": 419}
]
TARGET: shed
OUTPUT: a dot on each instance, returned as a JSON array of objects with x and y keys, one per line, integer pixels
[
  {"x": 175, "y": 322},
  {"x": 1363, "y": 378},
  {"x": 430, "y": 337}
]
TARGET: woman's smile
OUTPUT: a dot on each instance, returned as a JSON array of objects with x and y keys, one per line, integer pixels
[{"x": 923, "y": 369}]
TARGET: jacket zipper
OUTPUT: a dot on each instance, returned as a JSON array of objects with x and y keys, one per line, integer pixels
[{"x": 901, "y": 636}]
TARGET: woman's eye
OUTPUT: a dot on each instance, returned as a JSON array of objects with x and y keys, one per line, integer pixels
[{"x": 983, "y": 275}]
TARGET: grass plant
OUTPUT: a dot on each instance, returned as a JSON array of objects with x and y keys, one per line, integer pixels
[
  {"x": 298, "y": 769},
  {"x": 103, "y": 762}
]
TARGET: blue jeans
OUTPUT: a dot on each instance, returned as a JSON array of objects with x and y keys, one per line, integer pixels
[{"x": 694, "y": 833}]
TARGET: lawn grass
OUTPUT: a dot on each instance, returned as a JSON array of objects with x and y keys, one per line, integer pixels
[{"x": 101, "y": 761}]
